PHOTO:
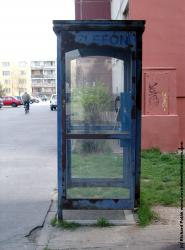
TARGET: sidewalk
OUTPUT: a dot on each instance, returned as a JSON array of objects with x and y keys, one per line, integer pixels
[{"x": 130, "y": 237}]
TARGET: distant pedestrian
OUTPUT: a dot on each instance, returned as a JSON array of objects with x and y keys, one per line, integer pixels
[{"x": 26, "y": 100}]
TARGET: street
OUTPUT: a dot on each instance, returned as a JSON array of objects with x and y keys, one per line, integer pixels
[{"x": 28, "y": 160}]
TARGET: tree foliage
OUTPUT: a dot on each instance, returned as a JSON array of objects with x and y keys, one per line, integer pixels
[
  {"x": 1, "y": 91},
  {"x": 94, "y": 100}
]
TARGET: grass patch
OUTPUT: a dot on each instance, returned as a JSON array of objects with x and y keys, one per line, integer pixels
[
  {"x": 103, "y": 222},
  {"x": 145, "y": 214},
  {"x": 150, "y": 153},
  {"x": 163, "y": 177},
  {"x": 46, "y": 248},
  {"x": 64, "y": 224},
  {"x": 160, "y": 180}
]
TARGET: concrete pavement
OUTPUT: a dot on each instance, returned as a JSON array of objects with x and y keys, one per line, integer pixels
[
  {"x": 27, "y": 172},
  {"x": 153, "y": 237}
]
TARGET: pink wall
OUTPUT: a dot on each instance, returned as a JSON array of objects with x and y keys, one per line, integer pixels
[
  {"x": 164, "y": 46},
  {"x": 163, "y": 121},
  {"x": 88, "y": 9}
]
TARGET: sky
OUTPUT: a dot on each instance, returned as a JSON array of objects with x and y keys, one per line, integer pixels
[{"x": 26, "y": 29}]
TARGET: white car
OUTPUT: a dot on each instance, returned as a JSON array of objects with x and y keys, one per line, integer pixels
[{"x": 53, "y": 102}]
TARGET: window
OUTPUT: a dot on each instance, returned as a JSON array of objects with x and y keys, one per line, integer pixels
[
  {"x": 36, "y": 81},
  {"x": 36, "y": 63},
  {"x": 47, "y": 72},
  {"x": 22, "y": 81},
  {"x": 6, "y": 73},
  {"x": 22, "y": 90},
  {"x": 5, "y": 64},
  {"x": 6, "y": 81},
  {"x": 8, "y": 98},
  {"x": 22, "y": 72},
  {"x": 37, "y": 72},
  {"x": 49, "y": 63},
  {"x": 22, "y": 64},
  {"x": 49, "y": 81},
  {"x": 7, "y": 90}
]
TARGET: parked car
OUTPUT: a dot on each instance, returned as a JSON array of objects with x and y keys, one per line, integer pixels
[
  {"x": 53, "y": 102},
  {"x": 43, "y": 98},
  {"x": 34, "y": 99},
  {"x": 11, "y": 101},
  {"x": 1, "y": 103},
  {"x": 19, "y": 98}
]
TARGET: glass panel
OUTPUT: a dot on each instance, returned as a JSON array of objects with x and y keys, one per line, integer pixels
[
  {"x": 98, "y": 193},
  {"x": 94, "y": 93},
  {"x": 96, "y": 158}
]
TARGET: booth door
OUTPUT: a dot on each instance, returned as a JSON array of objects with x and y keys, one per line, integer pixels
[{"x": 99, "y": 154}]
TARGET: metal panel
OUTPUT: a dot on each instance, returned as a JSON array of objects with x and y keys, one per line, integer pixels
[{"x": 97, "y": 204}]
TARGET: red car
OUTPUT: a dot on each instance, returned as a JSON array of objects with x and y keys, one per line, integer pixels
[{"x": 11, "y": 101}]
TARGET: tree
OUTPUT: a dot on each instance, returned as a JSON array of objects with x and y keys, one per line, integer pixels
[
  {"x": 1, "y": 91},
  {"x": 94, "y": 100}
]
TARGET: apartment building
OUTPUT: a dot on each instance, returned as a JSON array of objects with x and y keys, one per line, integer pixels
[
  {"x": 43, "y": 77},
  {"x": 15, "y": 77}
]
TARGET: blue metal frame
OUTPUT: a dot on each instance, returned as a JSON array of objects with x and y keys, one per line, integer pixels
[
  {"x": 59, "y": 127},
  {"x": 125, "y": 42}
]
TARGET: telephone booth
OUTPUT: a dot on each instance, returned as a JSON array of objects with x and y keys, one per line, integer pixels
[{"x": 99, "y": 66}]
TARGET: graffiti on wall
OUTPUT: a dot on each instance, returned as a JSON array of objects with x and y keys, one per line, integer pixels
[
  {"x": 153, "y": 94},
  {"x": 156, "y": 93},
  {"x": 164, "y": 100}
]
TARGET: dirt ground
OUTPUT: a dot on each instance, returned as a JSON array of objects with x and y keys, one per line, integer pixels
[{"x": 167, "y": 215}]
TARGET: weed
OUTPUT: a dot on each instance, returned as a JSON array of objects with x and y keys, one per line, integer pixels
[
  {"x": 53, "y": 221},
  {"x": 46, "y": 248},
  {"x": 64, "y": 224},
  {"x": 103, "y": 222},
  {"x": 67, "y": 225},
  {"x": 145, "y": 214}
]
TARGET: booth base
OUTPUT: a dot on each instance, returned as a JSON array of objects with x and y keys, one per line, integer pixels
[{"x": 90, "y": 217}]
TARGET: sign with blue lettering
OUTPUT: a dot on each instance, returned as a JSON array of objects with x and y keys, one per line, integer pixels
[{"x": 106, "y": 38}]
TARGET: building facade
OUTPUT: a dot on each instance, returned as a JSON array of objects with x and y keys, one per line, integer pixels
[
  {"x": 43, "y": 77},
  {"x": 15, "y": 77},
  {"x": 163, "y": 93}
]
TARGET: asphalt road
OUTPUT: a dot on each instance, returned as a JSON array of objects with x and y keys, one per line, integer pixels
[{"x": 28, "y": 159}]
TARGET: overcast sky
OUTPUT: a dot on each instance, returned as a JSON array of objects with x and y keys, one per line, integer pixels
[{"x": 26, "y": 28}]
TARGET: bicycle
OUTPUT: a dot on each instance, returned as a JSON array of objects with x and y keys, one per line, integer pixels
[{"x": 26, "y": 107}]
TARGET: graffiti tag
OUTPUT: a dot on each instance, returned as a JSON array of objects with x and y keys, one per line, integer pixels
[
  {"x": 165, "y": 101},
  {"x": 153, "y": 94}
]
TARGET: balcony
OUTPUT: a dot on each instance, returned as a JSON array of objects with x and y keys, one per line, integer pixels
[
  {"x": 37, "y": 76},
  {"x": 50, "y": 76}
]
